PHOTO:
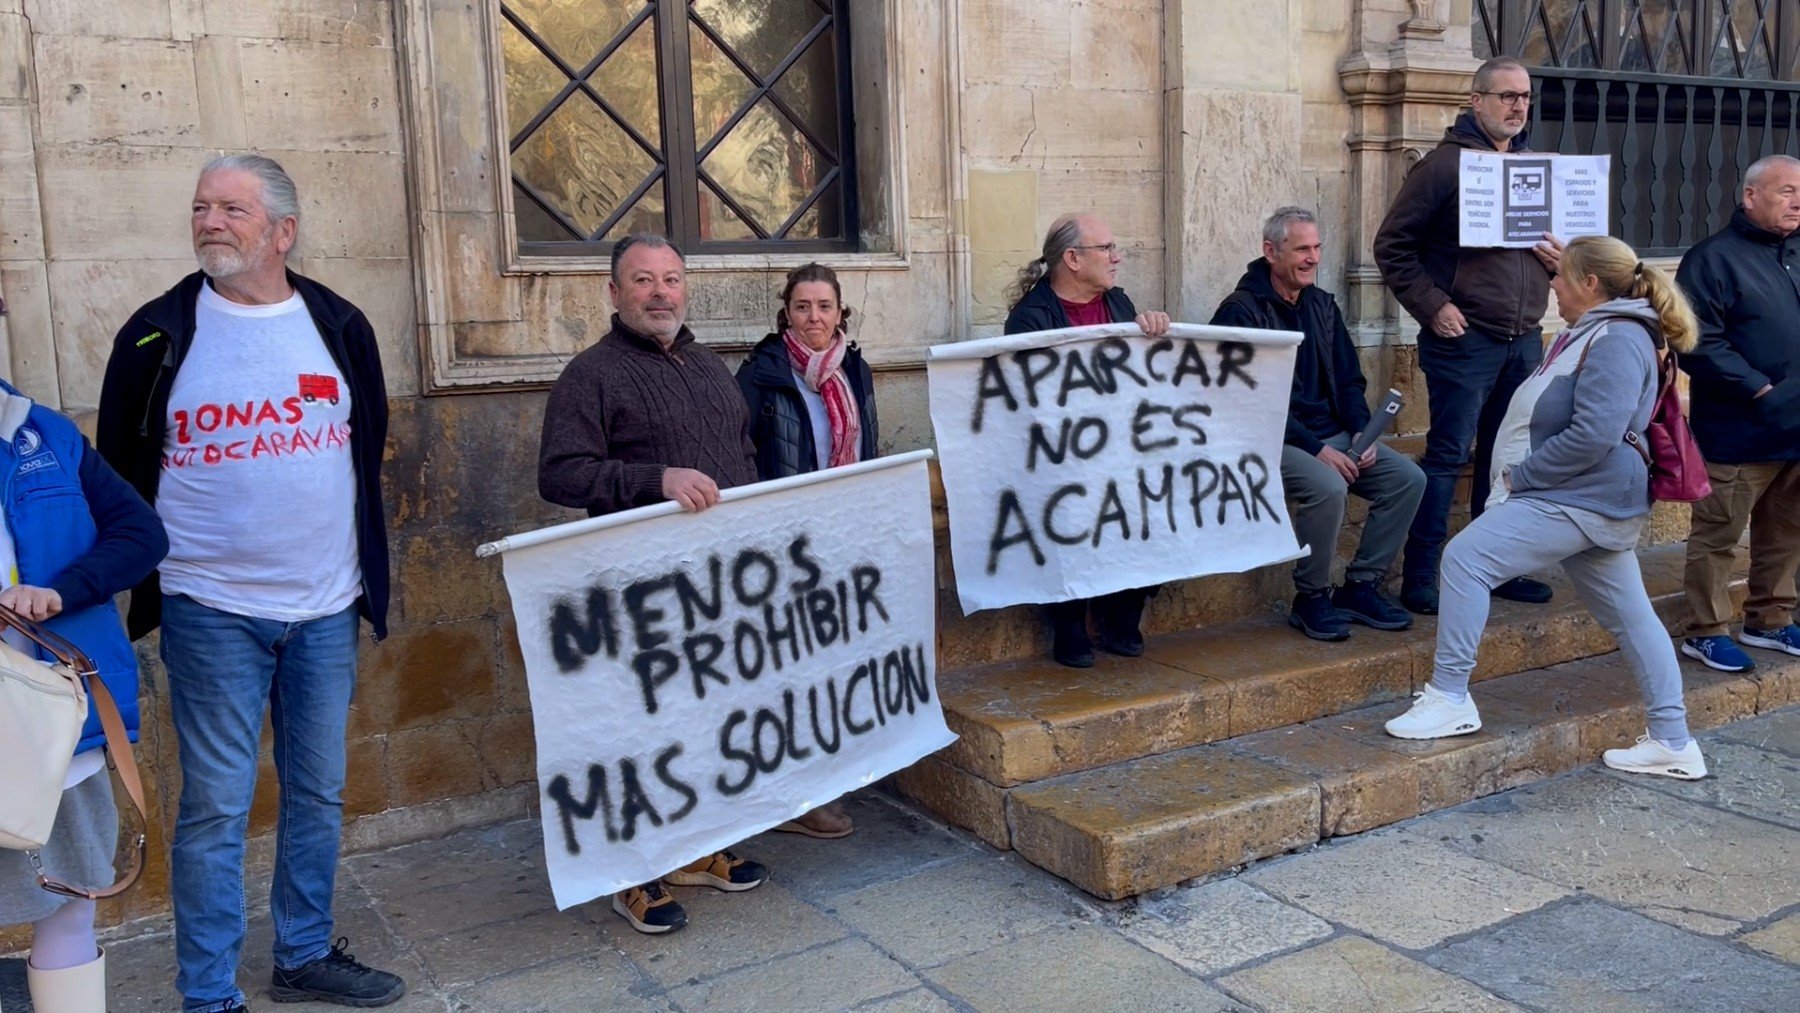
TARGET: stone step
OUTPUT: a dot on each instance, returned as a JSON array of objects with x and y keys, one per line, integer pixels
[
  {"x": 1157, "y": 821},
  {"x": 1011, "y": 634},
  {"x": 1021, "y": 722}
]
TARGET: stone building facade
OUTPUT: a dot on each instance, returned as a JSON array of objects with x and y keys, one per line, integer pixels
[{"x": 1183, "y": 122}]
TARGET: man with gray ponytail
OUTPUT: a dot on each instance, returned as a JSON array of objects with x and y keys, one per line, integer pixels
[
  {"x": 1072, "y": 284},
  {"x": 247, "y": 405},
  {"x": 1745, "y": 399}
]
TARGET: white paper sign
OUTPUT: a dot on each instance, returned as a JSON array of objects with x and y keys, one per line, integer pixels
[
  {"x": 1093, "y": 459},
  {"x": 699, "y": 678},
  {"x": 1513, "y": 199}
]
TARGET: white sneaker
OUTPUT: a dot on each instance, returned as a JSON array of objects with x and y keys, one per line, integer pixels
[
  {"x": 1652, "y": 757},
  {"x": 1435, "y": 716}
]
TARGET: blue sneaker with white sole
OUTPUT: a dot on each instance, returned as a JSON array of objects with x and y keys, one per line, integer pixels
[
  {"x": 1717, "y": 653},
  {"x": 1785, "y": 639}
]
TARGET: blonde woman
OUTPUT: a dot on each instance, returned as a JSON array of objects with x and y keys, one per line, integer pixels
[{"x": 1568, "y": 488}]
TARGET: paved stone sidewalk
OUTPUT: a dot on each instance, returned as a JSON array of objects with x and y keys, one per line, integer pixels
[{"x": 1589, "y": 891}]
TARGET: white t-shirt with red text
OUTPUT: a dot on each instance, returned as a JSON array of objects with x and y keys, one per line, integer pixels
[{"x": 258, "y": 488}]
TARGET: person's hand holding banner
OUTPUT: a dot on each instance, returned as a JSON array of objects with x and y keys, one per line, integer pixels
[{"x": 694, "y": 490}]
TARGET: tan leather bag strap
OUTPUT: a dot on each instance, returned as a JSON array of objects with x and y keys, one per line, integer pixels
[{"x": 119, "y": 754}]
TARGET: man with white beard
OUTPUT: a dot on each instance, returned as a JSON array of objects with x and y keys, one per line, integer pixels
[{"x": 247, "y": 405}]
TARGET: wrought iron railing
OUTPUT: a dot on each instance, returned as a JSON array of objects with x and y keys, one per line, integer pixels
[{"x": 1679, "y": 145}]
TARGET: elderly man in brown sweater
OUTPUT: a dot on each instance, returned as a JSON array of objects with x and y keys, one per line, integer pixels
[{"x": 645, "y": 415}]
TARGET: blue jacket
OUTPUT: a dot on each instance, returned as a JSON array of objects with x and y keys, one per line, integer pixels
[{"x": 81, "y": 531}]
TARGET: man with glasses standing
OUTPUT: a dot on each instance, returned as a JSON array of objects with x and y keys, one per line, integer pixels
[
  {"x": 1480, "y": 312},
  {"x": 1073, "y": 284}
]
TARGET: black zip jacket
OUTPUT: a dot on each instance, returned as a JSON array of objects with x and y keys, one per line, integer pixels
[
  {"x": 779, "y": 424},
  {"x": 1041, "y": 310},
  {"x": 1329, "y": 388},
  {"x": 1741, "y": 283},
  {"x": 134, "y": 404},
  {"x": 1418, "y": 249}
]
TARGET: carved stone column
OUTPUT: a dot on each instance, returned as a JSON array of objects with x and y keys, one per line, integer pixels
[{"x": 1406, "y": 82}]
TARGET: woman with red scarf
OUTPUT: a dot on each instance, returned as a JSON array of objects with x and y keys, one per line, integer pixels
[{"x": 812, "y": 407}]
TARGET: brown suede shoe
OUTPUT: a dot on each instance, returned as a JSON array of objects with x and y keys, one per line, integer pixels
[
  {"x": 721, "y": 870},
  {"x": 649, "y": 909}
]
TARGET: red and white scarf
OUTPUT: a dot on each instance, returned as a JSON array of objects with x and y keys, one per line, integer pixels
[{"x": 823, "y": 372}]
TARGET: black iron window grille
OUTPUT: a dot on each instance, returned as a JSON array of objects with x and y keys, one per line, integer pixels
[
  {"x": 723, "y": 124},
  {"x": 1684, "y": 94}
]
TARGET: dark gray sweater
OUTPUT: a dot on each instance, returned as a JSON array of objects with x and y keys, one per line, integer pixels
[{"x": 626, "y": 409}]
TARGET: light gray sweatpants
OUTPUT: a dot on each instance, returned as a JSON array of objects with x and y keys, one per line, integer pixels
[{"x": 1523, "y": 536}]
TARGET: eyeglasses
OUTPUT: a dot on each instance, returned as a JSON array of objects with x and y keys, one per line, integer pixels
[
  {"x": 1510, "y": 98},
  {"x": 1107, "y": 248}
]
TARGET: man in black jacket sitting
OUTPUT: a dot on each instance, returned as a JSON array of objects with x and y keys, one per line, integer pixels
[{"x": 1325, "y": 412}]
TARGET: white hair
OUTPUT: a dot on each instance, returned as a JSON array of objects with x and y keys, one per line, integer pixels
[
  {"x": 1760, "y": 168},
  {"x": 281, "y": 199}
]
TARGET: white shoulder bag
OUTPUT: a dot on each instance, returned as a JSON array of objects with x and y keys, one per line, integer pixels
[{"x": 42, "y": 709}]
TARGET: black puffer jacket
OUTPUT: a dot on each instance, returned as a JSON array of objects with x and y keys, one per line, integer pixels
[
  {"x": 1742, "y": 285},
  {"x": 1329, "y": 395},
  {"x": 1422, "y": 259},
  {"x": 779, "y": 424}
]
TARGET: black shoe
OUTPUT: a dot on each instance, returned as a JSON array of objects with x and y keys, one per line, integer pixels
[
  {"x": 1313, "y": 615},
  {"x": 1126, "y": 644},
  {"x": 1118, "y": 616},
  {"x": 1070, "y": 645},
  {"x": 1531, "y": 592},
  {"x": 1420, "y": 596},
  {"x": 1361, "y": 602},
  {"x": 337, "y": 978}
]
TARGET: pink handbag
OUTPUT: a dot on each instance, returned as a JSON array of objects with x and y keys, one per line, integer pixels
[{"x": 1677, "y": 469}]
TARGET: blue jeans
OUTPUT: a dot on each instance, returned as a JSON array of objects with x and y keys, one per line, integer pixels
[
  {"x": 223, "y": 670},
  {"x": 1469, "y": 382}
]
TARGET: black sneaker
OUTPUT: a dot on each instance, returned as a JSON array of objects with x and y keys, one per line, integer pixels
[
  {"x": 1531, "y": 592},
  {"x": 337, "y": 978},
  {"x": 1313, "y": 615},
  {"x": 1361, "y": 602},
  {"x": 1420, "y": 596}
]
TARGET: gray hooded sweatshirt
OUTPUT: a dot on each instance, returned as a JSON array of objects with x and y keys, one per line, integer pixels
[{"x": 1563, "y": 437}]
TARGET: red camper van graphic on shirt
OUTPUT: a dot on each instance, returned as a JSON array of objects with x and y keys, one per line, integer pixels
[{"x": 315, "y": 388}]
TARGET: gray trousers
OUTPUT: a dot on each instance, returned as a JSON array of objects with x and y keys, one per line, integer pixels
[
  {"x": 1392, "y": 485},
  {"x": 1522, "y": 536}
]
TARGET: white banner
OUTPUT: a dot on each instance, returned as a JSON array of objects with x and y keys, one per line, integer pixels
[
  {"x": 699, "y": 678},
  {"x": 1512, "y": 200},
  {"x": 1093, "y": 459}
]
